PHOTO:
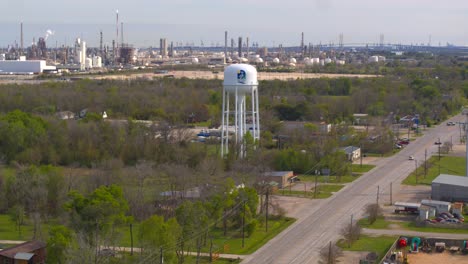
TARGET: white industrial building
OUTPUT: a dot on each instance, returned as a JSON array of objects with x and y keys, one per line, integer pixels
[{"x": 24, "y": 66}]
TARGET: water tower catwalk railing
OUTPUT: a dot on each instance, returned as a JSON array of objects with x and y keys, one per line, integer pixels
[{"x": 240, "y": 80}]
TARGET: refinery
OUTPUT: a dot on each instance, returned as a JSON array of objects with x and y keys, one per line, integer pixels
[{"x": 44, "y": 57}]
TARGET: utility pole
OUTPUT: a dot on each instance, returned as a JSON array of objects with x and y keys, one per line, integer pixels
[
  {"x": 416, "y": 170},
  {"x": 391, "y": 202},
  {"x": 329, "y": 254},
  {"x": 425, "y": 163},
  {"x": 360, "y": 149},
  {"x": 350, "y": 231},
  {"x": 266, "y": 209},
  {"x": 161, "y": 259},
  {"x": 131, "y": 239},
  {"x": 243, "y": 226},
  {"x": 315, "y": 186},
  {"x": 378, "y": 190}
]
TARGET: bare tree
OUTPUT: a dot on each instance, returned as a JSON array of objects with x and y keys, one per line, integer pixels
[
  {"x": 351, "y": 232},
  {"x": 373, "y": 211},
  {"x": 330, "y": 254}
]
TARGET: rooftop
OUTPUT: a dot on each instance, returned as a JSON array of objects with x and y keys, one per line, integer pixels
[
  {"x": 25, "y": 247},
  {"x": 277, "y": 173},
  {"x": 426, "y": 202},
  {"x": 451, "y": 180}
]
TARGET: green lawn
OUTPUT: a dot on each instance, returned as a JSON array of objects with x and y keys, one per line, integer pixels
[
  {"x": 233, "y": 239},
  {"x": 380, "y": 223},
  {"x": 357, "y": 168},
  {"x": 323, "y": 191},
  {"x": 379, "y": 245},
  {"x": 252, "y": 243},
  {"x": 9, "y": 232},
  {"x": 448, "y": 165},
  {"x": 329, "y": 179}
]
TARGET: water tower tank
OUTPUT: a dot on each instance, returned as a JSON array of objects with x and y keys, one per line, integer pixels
[
  {"x": 240, "y": 77},
  {"x": 240, "y": 113}
]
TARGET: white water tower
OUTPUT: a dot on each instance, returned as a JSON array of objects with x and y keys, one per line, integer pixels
[{"x": 239, "y": 116}]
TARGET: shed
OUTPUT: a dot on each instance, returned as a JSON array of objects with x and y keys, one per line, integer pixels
[
  {"x": 352, "y": 152},
  {"x": 457, "y": 208},
  {"x": 426, "y": 212},
  {"x": 283, "y": 178},
  {"x": 450, "y": 188},
  {"x": 440, "y": 206},
  {"x": 30, "y": 252}
]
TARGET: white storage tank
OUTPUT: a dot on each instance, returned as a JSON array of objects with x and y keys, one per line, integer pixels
[
  {"x": 322, "y": 62},
  {"x": 292, "y": 60},
  {"x": 195, "y": 61},
  {"x": 340, "y": 62},
  {"x": 97, "y": 62},
  {"x": 315, "y": 60},
  {"x": 374, "y": 59},
  {"x": 381, "y": 59},
  {"x": 276, "y": 61},
  {"x": 88, "y": 63},
  {"x": 258, "y": 60},
  {"x": 328, "y": 61},
  {"x": 2, "y": 57}
]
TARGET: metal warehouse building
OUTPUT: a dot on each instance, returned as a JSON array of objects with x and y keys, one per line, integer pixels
[
  {"x": 450, "y": 188},
  {"x": 24, "y": 66}
]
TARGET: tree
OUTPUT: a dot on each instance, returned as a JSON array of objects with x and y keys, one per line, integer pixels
[
  {"x": 373, "y": 211},
  {"x": 351, "y": 232},
  {"x": 97, "y": 213},
  {"x": 155, "y": 234},
  {"x": 59, "y": 241},
  {"x": 329, "y": 254}
]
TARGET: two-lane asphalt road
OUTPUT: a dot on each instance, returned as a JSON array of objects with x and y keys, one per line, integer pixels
[{"x": 302, "y": 242}]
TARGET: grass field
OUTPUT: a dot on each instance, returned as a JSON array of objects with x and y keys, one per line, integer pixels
[
  {"x": 448, "y": 165},
  {"x": 252, "y": 243},
  {"x": 8, "y": 230},
  {"x": 379, "y": 245},
  {"x": 323, "y": 191},
  {"x": 233, "y": 239}
]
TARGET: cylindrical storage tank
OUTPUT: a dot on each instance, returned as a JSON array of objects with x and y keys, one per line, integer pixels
[
  {"x": 88, "y": 63},
  {"x": 195, "y": 60},
  {"x": 381, "y": 58},
  {"x": 97, "y": 62},
  {"x": 328, "y": 60},
  {"x": 308, "y": 62},
  {"x": 315, "y": 60},
  {"x": 292, "y": 64},
  {"x": 240, "y": 76},
  {"x": 2, "y": 57},
  {"x": 374, "y": 59},
  {"x": 276, "y": 61},
  {"x": 340, "y": 62},
  {"x": 292, "y": 60},
  {"x": 258, "y": 60},
  {"x": 322, "y": 62},
  {"x": 243, "y": 60}
]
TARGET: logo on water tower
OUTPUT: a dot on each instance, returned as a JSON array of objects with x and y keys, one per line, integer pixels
[{"x": 241, "y": 76}]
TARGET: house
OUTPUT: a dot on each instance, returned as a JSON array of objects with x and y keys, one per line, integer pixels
[
  {"x": 352, "y": 153},
  {"x": 315, "y": 127},
  {"x": 282, "y": 178},
  {"x": 450, "y": 188},
  {"x": 30, "y": 252},
  {"x": 64, "y": 115}
]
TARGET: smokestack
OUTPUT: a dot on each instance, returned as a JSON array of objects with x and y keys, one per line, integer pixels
[
  {"x": 225, "y": 43},
  {"x": 21, "y": 51},
  {"x": 247, "y": 42},
  {"x": 302, "y": 43},
  {"x": 232, "y": 47},
  {"x": 122, "y": 34},
  {"x": 117, "y": 29},
  {"x": 100, "y": 43},
  {"x": 239, "y": 52}
]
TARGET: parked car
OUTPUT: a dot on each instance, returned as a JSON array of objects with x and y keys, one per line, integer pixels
[
  {"x": 459, "y": 217},
  {"x": 437, "y": 143},
  {"x": 439, "y": 219},
  {"x": 397, "y": 146},
  {"x": 447, "y": 214},
  {"x": 451, "y": 221},
  {"x": 444, "y": 216},
  {"x": 411, "y": 158},
  {"x": 450, "y": 123}
]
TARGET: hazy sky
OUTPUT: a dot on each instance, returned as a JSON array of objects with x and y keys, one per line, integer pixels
[{"x": 269, "y": 22}]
